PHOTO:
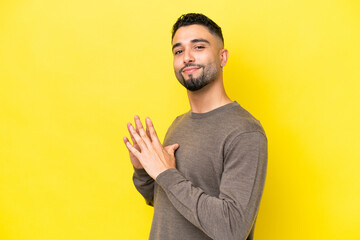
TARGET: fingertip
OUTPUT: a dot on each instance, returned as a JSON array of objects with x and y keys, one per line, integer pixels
[
  {"x": 148, "y": 120},
  {"x": 126, "y": 141}
]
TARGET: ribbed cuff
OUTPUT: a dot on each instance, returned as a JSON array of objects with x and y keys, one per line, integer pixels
[
  {"x": 169, "y": 178},
  {"x": 140, "y": 172}
]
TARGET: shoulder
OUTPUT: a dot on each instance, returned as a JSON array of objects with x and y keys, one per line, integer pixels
[
  {"x": 238, "y": 120},
  {"x": 241, "y": 131}
]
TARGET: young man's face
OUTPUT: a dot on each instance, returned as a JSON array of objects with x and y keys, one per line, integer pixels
[{"x": 197, "y": 56}]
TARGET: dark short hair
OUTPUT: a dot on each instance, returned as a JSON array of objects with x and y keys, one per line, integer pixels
[{"x": 200, "y": 19}]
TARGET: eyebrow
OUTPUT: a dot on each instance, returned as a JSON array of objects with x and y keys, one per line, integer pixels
[{"x": 196, "y": 40}]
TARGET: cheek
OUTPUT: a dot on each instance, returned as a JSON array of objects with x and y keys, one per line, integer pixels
[
  {"x": 177, "y": 65},
  {"x": 205, "y": 58}
]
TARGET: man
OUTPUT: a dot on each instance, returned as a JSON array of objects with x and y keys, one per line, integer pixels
[{"x": 208, "y": 181}]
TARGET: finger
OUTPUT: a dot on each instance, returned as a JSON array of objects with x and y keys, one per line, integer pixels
[
  {"x": 171, "y": 148},
  {"x": 175, "y": 146},
  {"x": 151, "y": 129},
  {"x": 142, "y": 132},
  {"x": 125, "y": 140},
  {"x": 148, "y": 132},
  {"x": 132, "y": 149},
  {"x": 138, "y": 139},
  {"x": 153, "y": 137},
  {"x": 131, "y": 135}
]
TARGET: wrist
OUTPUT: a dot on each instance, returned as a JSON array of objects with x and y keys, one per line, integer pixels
[
  {"x": 138, "y": 167},
  {"x": 160, "y": 172}
]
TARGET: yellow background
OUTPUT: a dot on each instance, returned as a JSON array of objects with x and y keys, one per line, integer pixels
[{"x": 73, "y": 73}]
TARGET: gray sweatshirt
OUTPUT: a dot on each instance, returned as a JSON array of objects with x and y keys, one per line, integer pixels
[{"x": 215, "y": 190}]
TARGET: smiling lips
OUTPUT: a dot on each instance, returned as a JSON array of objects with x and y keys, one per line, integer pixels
[{"x": 190, "y": 70}]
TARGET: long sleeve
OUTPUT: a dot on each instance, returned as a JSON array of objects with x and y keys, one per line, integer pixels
[
  {"x": 145, "y": 185},
  {"x": 232, "y": 213}
]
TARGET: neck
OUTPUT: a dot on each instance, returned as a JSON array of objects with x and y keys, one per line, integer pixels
[{"x": 208, "y": 98}]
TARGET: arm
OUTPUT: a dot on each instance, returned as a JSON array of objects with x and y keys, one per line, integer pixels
[
  {"x": 145, "y": 185},
  {"x": 231, "y": 214}
]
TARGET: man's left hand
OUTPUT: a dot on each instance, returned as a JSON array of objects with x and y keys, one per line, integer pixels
[{"x": 152, "y": 155}]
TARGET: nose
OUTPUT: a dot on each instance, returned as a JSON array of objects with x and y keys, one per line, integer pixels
[{"x": 188, "y": 57}]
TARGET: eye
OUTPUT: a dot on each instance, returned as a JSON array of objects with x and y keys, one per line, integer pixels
[
  {"x": 177, "y": 52},
  {"x": 199, "y": 47}
]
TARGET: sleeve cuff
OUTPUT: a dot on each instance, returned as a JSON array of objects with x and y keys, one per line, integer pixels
[
  {"x": 140, "y": 172},
  {"x": 169, "y": 177}
]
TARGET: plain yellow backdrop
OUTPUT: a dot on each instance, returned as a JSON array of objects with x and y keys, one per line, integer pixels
[{"x": 74, "y": 72}]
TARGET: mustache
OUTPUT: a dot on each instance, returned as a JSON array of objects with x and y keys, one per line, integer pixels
[{"x": 191, "y": 65}]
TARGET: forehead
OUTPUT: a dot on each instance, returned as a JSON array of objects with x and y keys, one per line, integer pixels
[{"x": 187, "y": 33}]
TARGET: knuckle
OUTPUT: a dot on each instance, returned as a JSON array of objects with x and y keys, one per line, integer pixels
[
  {"x": 142, "y": 134},
  {"x": 153, "y": 132},
  {"x": 140, "y": 141}
]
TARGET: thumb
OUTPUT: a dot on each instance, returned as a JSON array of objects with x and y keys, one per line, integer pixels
[
  {"x": 175, "y": 146},
  {"x": 171, "y": 149}
]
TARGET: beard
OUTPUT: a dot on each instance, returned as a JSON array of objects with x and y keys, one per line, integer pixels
[{"x": 208, "y": 75}]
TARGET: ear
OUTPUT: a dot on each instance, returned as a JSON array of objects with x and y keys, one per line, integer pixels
[{"x": 224, "y": 55}]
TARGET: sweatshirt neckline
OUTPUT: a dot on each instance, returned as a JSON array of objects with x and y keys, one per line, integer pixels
[{"x": 214, "y": 111}]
